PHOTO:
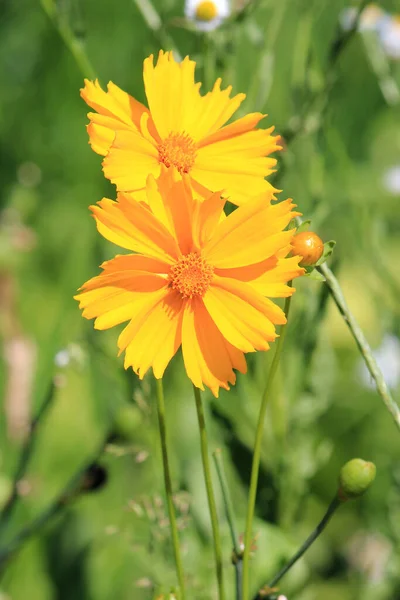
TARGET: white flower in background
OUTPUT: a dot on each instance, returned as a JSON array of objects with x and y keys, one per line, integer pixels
[
  {"x": 390, "y": 37},
  {"x": 207, "y": 14},
  {"x": 372, "y": 18},
  {"x": 388, "y": 358},
  {"x": 391, "y": 180}
]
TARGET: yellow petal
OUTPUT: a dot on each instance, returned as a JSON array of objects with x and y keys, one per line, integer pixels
[
  {"x": 243, "y": 324},
  {"x": 242, "y": 125},
  {"x": 205, "y": 352},
  {"x": 247, "y": 243},
  {"x": 172, "y": 94},
  {"x": 131, "y": 225},
  {"x": 117, "y": 110},
  {"x": 130, "y": 160},
  {"x": 157, "y": 337}
]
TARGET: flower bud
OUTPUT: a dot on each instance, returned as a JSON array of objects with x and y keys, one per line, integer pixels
[
  {"x": 355, "y": 478},
  {"x": 309, "y": 246}
]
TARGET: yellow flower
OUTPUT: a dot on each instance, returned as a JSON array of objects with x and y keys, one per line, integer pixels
[
  {"x": 197, "y": 279},
  {"x": 180, "y": 129}
]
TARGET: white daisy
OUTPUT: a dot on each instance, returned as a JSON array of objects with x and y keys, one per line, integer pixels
[
  {"x": 372, "y": 18},
  {"x": 390, "y": 37},
  {"x": 391, "y": 180},
  {"x": 207, "y": 14}
]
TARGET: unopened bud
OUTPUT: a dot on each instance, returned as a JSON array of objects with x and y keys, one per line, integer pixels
[
  {"x": 355, "y": 478},
  {"x": 309, "y": 246}
]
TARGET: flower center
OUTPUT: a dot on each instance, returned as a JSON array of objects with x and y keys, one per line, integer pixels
[
  {"x": 206, "y": 11},
  {"x": 191, "y": 275},
  {"x": 178, "y": 150}
]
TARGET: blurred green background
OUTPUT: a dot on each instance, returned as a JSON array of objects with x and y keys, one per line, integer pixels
[{"x": 340, "y": 115}]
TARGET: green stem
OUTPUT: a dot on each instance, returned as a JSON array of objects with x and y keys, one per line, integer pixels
[
  {"x": 74, "y": 45},
  {"x": 257, "y": 454},
  {"x": 334, "y": 505},
  {"x": 230, "y": 515},
  {"x": 168, "y": 486},
  {"x": 210, "y": 492},
  {"x": 362, "y": 343}
]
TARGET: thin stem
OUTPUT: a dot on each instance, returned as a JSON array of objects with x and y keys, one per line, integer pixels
[
  {"x": 230, "y": 515},
  {"x": 73, "y": 487},
  {"x": 210, "y": 492},
  {"x": 74, "y": 45},
  {"x": 362, "y": 343},
  {"x": 257, "y": 454},
  {"x": 168, "y": 487},
  {"x": 24, "y": 459},
  {"x": 334, "y": 505},
  {"x": 238, "y": 578},
  {"x": 155, "y": 24}
]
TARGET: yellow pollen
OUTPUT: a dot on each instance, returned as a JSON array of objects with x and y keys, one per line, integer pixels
[
  {"x": 191, "y": 275},
  {"x": 206, "y": 11},
  {"x": 178, "y": 150}
]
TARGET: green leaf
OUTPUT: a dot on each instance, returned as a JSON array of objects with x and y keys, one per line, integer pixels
[{"x": 328, "y": 249}]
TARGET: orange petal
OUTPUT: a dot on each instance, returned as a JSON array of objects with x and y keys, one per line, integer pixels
[
  {"x": 131, "y": 225},
  {"x": 118, "y": 109},
  {"x": 117, "y": 302},
  {"x": 252, "y": 233},
  {"x": 135, "y": 262},
  {"x": 269, "y": 277},
  {"x": 240, "y": 315},
  {"x": 206, "y": 218},
  {"x": 154, "y": 338},
  {"x": 208, "y": 358},
  {"x": 242, "y": 125},
  {"x": 130, "y": 160}
]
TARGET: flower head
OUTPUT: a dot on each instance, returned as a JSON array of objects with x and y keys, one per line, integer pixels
[
  {"x": 207, "y": 14},
  {"x": 198, "y": 279},
  {"x": 390, "y": 37},
  {"x": 180, "y": 129}
]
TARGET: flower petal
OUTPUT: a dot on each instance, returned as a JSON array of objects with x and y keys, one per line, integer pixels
[
  {"x": 172, "y": 94},
  {"x": 208, "y": 358},
  {"x": 241, "y": 314},
  {"x": 242, "y": 125},
  {"x": 249, "y": 243},
  {"x": 130, "y": 160},
  {"x": 269, "y": 277},
  {"x": 118, "y": 109},
  {"x": 115, "y": 297},
  {"x": 154, "y": 338},
  {"x": 131, "y": 225}
]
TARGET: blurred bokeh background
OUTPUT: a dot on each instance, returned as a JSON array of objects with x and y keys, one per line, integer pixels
[{"x": 337, "y": 107}]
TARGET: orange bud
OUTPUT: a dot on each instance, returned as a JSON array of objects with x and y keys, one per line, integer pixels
[{"x": 308, "y": 245}]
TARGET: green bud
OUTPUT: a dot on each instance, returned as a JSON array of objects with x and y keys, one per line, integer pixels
[{"x": 355, "y": 478}]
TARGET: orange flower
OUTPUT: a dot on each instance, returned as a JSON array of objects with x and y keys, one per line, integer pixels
[
  {"x": 182, "y": 129},
  {"x": 196, "y": 279}
]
